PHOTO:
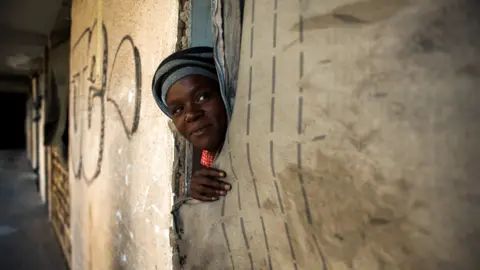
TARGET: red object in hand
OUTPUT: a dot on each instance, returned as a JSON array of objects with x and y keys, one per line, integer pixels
[{"x": 207, "y": 159}]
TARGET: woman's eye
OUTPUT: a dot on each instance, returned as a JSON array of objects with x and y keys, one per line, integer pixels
[
  {"x": 202, "y": 97},
  {"x": 177, "y": 110}
]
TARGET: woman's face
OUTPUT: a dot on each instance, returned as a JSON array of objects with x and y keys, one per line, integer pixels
[{"x": 198, "y": 111}]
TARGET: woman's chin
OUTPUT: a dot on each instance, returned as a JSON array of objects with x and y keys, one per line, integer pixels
[
  {"x": 201, "y": 143},
  {"x": 207, "y": 143}
]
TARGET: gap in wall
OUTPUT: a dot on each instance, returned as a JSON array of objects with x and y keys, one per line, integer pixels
[{"x": 194, "y": 29}]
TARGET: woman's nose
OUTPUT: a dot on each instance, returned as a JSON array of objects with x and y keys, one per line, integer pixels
[{"x": 194, "y": 112}]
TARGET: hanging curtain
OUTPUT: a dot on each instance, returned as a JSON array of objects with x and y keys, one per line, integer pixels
[
  {"x": 227, "y": 17},
  {"x": 52, "y": 110}
]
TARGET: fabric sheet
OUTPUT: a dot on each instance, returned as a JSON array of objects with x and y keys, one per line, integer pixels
[{"x": 339, "y": 150}]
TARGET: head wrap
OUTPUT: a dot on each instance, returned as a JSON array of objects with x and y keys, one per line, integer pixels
[{"x": 192, "y": 61}]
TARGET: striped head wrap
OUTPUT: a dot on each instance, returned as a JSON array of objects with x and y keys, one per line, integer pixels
[{"x": 192, "y": 61}]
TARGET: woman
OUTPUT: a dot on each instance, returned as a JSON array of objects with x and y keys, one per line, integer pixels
[{"x": 186, "y": 89}]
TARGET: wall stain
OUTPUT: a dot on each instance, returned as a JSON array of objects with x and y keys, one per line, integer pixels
[
  {"x": 426, "y": 45},
  {"x": 382, "y": 216},
  {"x": 470, "y": 70},
  {"x": 359, "y": 218},
  {"x": 269, "y": 204},
  {"x": 397, "y": 109},
  {"x": 319, "y": 138},
  {"x": 355, "y": 14},
  {"x": 380, "y": 95},
  {"x": 347, "y": 18}
]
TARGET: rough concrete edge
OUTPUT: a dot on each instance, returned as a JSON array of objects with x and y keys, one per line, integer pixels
[
  {"x": 183, "y": 42},
  {"x": 183, "y": 28}
]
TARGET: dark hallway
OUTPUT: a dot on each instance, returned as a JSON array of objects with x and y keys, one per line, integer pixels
[
  {"x": 12, "y": 119},
  {"x": 27, "y": 240}
]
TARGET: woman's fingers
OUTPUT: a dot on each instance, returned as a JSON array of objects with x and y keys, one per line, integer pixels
[
  {"x": 208, "y": 177},
  {"x": 209, "y": 172},
  {"x": 214, "y": 184},
  {"x": 206, "y": 187},
  {"x": 205, "y": 193}
]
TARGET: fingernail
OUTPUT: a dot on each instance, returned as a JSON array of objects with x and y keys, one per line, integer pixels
[
  {"x": 227, "y": 187},
  {"x": 214, "y": 198},
  {"x": 222, "y": 174}
]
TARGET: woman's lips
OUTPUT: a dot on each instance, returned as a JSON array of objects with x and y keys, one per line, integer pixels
[{"x": 200, "y": 131}]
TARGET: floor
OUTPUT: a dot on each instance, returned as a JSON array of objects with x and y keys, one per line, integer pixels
[{"x": 27, "y": 240}]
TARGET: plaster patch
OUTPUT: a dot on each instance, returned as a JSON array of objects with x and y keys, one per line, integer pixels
[
  {"x": 145, "y": 198},
  {"x": 155, "y": 208},
  {"x": 131, "y": 94}
]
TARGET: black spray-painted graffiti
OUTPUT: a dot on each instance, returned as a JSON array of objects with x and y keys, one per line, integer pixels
[{"x": 93, "y": 88}]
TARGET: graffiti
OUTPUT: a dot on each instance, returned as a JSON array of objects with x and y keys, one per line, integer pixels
[{"x": 95, "y": 85}]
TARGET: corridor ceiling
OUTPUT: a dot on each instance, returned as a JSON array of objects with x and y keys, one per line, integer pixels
[{"x": 26, "y": 28}]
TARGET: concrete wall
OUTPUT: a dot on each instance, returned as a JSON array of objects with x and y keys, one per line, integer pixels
[
  {"x": 42, "y": 162},
  {"x": 34, "y": 130},
  {"x": 121, "y": 148},
  {"x": 354, "y": 140}
]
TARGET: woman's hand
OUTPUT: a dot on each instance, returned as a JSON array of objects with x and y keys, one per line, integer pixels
[{"x": 205, "y": 185}]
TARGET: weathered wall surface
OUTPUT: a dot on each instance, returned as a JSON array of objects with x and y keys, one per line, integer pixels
[
  {"x": 121, "y": 147},
  {"x": 34, "y": 130},
  {"x": 42, "y": 161},
  {"x": 354, "y": 140}
]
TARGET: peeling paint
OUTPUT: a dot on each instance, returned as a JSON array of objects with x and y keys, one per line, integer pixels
[
  {"x": 128, "y": 172},
  {"x": 131, "y": 94},
  {"x": 166, "y": 234},
  {"x": 135, "y": 208},
  {"x": 155, "y": 208},
  {"x": 145, "y": 198}
]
